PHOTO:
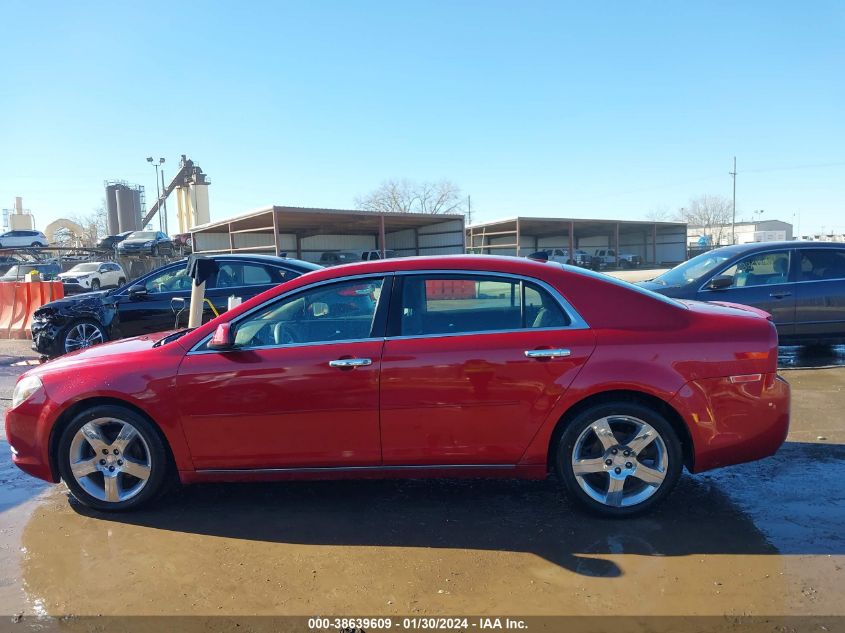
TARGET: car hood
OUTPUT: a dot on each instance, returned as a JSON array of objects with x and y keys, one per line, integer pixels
[
  {"x": 116, "y": 351},
  {"x": 84, "y": 300},
  {"x": 137, "y": 241},
  {"x": 79, "y": 274}
]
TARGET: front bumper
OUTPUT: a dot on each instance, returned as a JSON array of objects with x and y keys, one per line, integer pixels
[
  {"x": 731, "y": 423},
  {"x": 28, "y": 432}
]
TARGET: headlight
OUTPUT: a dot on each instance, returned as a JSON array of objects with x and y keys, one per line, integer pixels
[{"x": 26, "y": 386}]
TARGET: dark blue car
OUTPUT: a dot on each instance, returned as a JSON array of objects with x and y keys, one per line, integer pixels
[{"x": 801, "y": 284}]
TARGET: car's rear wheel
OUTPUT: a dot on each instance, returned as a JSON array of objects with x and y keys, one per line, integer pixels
[
  {"x": 112, "y": 458},
  {"x": 619, "y": 459},
  {"x": 95, "y": 284},
  {"x": 36, "y": 245},
  {"x": 81, "y": 334}
]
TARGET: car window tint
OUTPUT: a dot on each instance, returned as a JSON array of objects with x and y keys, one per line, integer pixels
[
  {"x": 170, "y": 280},
  {"x": 817, "y": 265},
  {"x": 235, "y": 274},
  {"x": 760, "y": 269},
  {"x": 447, "y": 304},
  {"x": 334, "y": 312}
]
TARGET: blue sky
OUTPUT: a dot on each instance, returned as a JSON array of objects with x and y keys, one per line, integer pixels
[{"x": 605, "y": 109}]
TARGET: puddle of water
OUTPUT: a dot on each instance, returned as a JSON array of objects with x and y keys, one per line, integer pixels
[{"x": 800, "y": 356}]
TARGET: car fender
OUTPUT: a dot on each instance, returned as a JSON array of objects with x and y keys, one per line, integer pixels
[{"x": 604, "y": 374}]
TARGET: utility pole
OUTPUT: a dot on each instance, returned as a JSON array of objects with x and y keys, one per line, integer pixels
[
  {"x": 469, "y": 210},
  {"x": 733, "y": 221},
  {"x": 164, "y": 201}
]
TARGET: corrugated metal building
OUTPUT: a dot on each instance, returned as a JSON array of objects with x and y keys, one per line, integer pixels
[
  {"x": 657, "y": 243},
  {"x": 307, "y": 233}
]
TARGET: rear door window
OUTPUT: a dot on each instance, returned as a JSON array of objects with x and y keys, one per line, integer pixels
[
  {"x": 454, "y": 304},
  {"x": 821, "y": 264}
]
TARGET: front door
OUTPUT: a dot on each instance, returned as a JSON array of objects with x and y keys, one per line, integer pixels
[
  {"x": 476, "y": 365},
  {"x": 299, "y": 390},
  {"x": 763, "y": 280}
]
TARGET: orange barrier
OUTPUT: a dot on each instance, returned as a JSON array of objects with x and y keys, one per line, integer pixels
[
  {"x": 449, "y": 289},
  {"x": 19, "y": 299}
]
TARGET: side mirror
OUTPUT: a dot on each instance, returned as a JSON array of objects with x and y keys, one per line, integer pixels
[
  {"x": 136, "y": 292},
  {"x": 720, "y": 282},
  {"x": 223, "y": 339}
]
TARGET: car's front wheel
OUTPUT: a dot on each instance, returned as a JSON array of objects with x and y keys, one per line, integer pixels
[
  {"x": 619, "y": 459},
  {"x": 82, "y": 334},
  {"x": 95, "y": 284},
  {"x": 112, "y": 458}
]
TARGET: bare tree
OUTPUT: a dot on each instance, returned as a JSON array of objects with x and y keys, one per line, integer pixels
[
  {"x": 711, "y": 214},
  {"x": 94, "y": 225},
  {"x": 406, "y": 196},
  {"x": 659, "y": 214}
]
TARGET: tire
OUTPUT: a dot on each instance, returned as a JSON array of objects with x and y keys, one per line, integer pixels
[
  {"x": 36, "y": 245},
  {"x": 121, "y": 281},
  {"x": 95, "y": 284},
  {"x": 85, "y": 332},
  {"x": 624, "y": 264},
  {"x": 154, "y": 251},
  {"x": 136, "y": 473},
  {"x": 662, "y": 459}
]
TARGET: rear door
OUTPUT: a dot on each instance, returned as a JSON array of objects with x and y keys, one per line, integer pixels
[
  {"x": 244, "y": 280},
  {"x": 763, "y": 280},
  {"x": 820, "y": 294},
  {"x": 472, "y": 367}
]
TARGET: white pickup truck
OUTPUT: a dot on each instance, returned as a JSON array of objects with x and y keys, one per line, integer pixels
[{"x": 608, "y": 259}]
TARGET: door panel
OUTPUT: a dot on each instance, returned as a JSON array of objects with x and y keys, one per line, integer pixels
[
  {"x": 281, "y": 407},
  {"x": 820, "y": 294},
  {"x": 472, "y": 399}
]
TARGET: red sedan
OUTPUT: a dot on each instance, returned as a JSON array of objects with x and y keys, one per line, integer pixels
[{"x": 419, "y": 367}]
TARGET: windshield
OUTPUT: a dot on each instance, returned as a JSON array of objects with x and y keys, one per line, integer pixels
[
  {"x": 84, "y": 268},
  {"x": 142, "y": 235},
  {"x": 695, "y": 268}
]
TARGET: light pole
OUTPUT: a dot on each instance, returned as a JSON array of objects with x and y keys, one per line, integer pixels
[{"x": 158, "y": 189}]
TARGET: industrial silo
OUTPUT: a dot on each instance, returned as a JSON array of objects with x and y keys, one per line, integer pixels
[
  {"x": 111, "y": 209},
  {"x": 128, "y": 210}
]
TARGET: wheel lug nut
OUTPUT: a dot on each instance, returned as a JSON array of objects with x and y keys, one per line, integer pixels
[
  {"x": 627, "y": 464},
  {"x": 116, "y": 452},
  {"x": 120, "y": 463},
  {"x": 105, "y": 451},
  {"x": 626, "y": 453},
  {"x": 103, "y": 462},
  {"x": 614, "y": 451},
  {"x": 607, "y": 461},
  {"x": 111, "y": 469},
  {"x": 617, "y": 470}
]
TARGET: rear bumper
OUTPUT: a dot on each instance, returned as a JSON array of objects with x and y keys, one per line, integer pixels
[{"x": 732, "y": 423}]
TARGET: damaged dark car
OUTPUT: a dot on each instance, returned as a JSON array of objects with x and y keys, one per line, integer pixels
[{"x": 144, "y": 305}]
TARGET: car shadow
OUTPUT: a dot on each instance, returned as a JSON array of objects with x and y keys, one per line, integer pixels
[{"x": 738, "y": 510}]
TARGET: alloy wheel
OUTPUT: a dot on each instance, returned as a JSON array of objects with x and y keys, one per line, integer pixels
[
  {"x": 110, "y": 460},
  {"x": 620, "y": 461},
  {"x": 82, "y": 335}
]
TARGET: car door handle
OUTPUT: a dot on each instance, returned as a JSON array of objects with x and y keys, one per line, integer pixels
[
  {"x": 547, "y": 353},
  {"x": 780, "y": 295},
  {"x": 350, "y": 362}
]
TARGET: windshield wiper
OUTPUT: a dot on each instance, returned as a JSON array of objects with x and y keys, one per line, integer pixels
[{"x": 173, "y": 336}]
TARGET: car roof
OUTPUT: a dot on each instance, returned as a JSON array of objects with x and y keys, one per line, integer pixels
[
  {"x": 283, "y": 262},
  {"x": 752, "y": 247},
  {"x": 492, "y": 263}
]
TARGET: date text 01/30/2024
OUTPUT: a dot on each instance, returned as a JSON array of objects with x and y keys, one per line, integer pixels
[{"x": 416, "y": 623}]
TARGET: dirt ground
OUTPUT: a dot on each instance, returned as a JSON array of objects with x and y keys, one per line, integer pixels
[{"x": 764, "y": 538}]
